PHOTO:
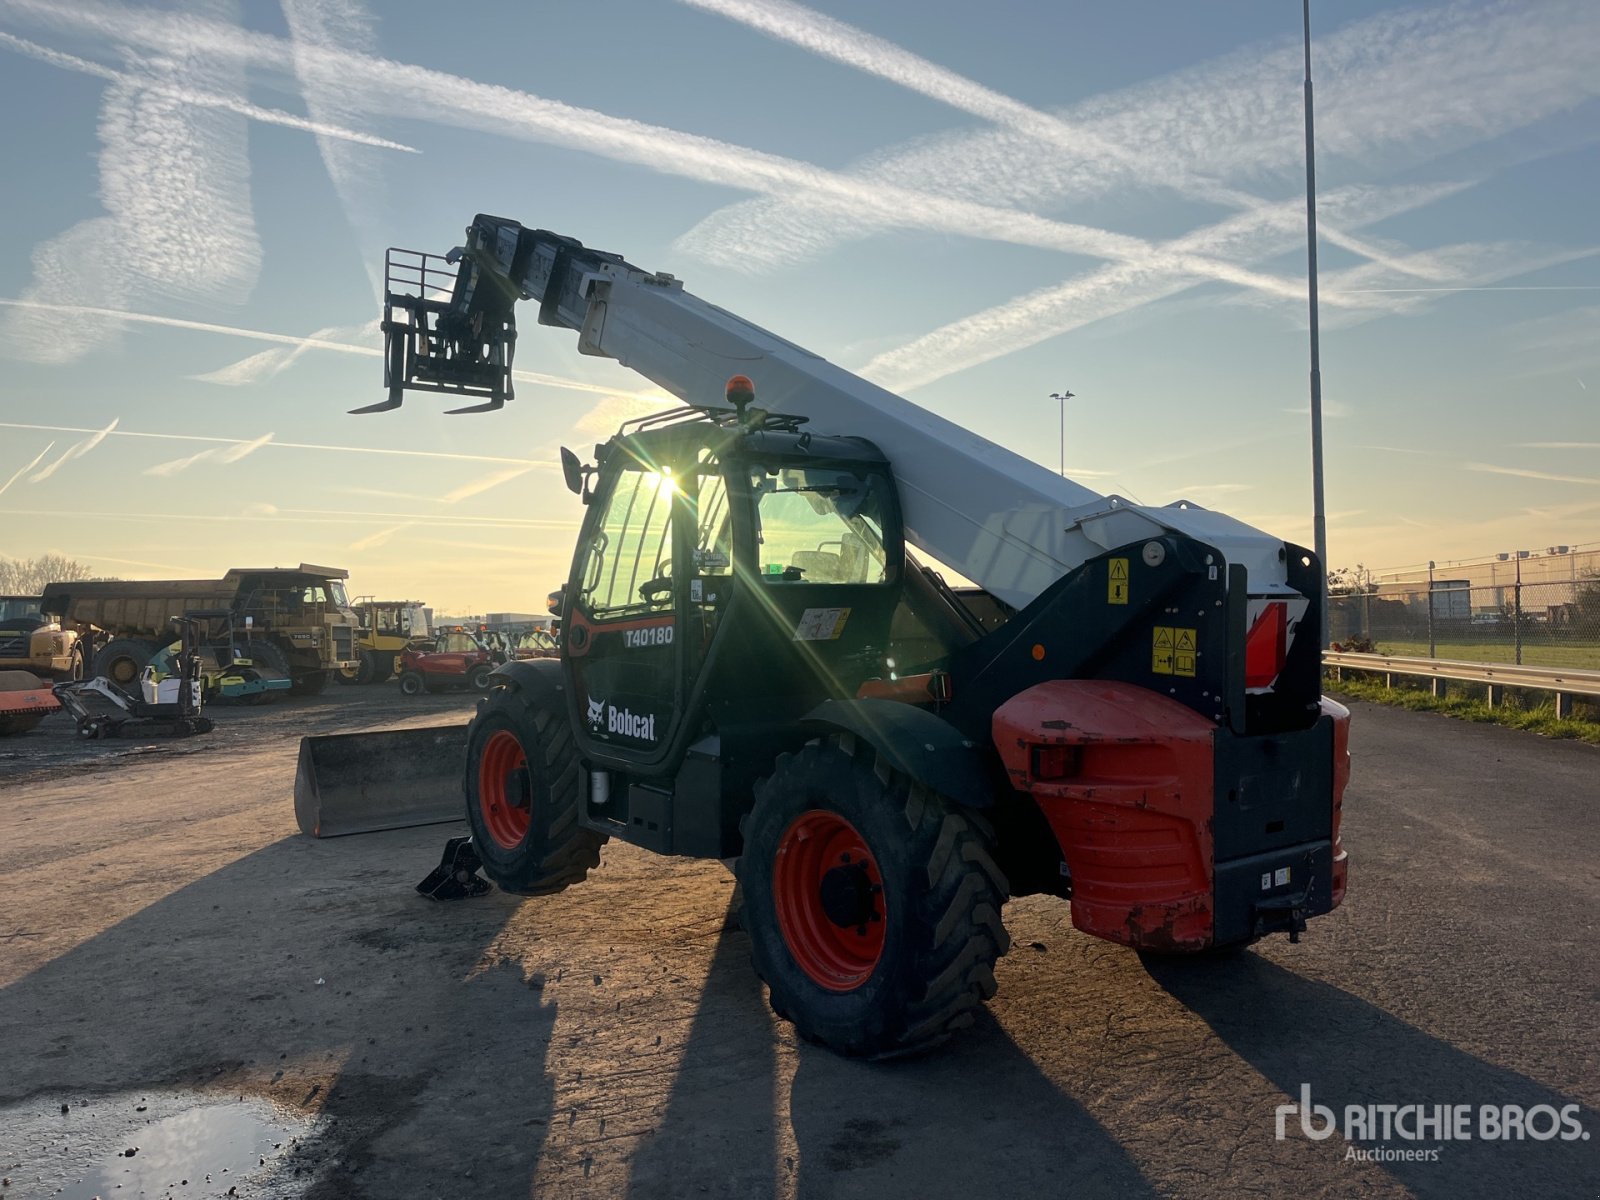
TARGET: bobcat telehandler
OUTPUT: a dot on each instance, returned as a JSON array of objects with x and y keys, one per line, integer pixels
[{"x": 1125, "y": 710}]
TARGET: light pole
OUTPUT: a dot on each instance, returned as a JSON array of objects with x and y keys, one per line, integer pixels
[
  {"x": 1516, "y": 610},
  {"x": 1319, "y": 519},
  {"x": 1063, "y": 397}
]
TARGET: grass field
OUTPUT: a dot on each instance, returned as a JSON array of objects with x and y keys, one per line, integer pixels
[
  {"x": 1576, "y": 655},
  {"x": 1519, "y": 709}
]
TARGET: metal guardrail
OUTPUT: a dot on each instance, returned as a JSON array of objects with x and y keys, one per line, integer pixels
[{"x": 1497, "y": 676}]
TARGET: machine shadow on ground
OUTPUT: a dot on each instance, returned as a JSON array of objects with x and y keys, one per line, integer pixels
[
  {"x": 1299, "y": 1031},
  {"x": 971, "y": 1112}
]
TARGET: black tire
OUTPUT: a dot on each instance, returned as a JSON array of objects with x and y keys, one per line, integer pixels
[
  {"x": 271, "y": 662},
  {"x": 941, "y": 897},
  {"x": 309, "y": 683},
  {"x": 412, "y": 684},
  {"x": 78, "y": 668},
  {"x": 367, "y": 672},
  {"x": 122, "y": 659},
  {"x": 347, "y": 678},
  {"x": 478, "y": 677},
  {"x": 522, "y": 763}
]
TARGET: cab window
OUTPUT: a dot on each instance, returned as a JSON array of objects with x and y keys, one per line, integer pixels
[
  {"x": 628, "y": 567},
  {"x": 819, "y": 525}
]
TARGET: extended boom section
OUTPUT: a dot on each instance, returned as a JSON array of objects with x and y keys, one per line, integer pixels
[{"x": 1001, "y": 520}]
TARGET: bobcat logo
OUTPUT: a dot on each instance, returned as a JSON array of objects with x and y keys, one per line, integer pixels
[{"x": 597, "y": 712}]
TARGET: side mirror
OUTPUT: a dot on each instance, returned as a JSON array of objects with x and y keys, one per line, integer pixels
[{"x": 572, "y": 470}]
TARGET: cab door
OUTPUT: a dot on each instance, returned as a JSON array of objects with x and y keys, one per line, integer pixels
[{"x": 622, "y": 629}]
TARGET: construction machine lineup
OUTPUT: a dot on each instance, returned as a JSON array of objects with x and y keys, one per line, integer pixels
[{"x": 760, "y": 660}]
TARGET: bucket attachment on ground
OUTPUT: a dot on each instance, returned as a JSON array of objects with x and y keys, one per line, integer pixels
[
  {"x": 456, "y": 877},
  {"x": 25, "y": 700},
  {"x": 390, "y": 779}
]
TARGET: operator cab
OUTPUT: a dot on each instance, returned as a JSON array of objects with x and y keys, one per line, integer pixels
[{"x": 729, "y": 555}]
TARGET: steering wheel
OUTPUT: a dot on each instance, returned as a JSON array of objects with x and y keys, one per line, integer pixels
[{"x": 651, "y": 588}]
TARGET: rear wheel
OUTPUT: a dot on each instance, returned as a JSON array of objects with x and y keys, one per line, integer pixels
[
  {"x": 310, "y": 683},
  {"x": 412, "y": 684},
  {"x": 523, "y": 789},
  {"x": 122, "y": 659},
  {"x": 478, "y": 677},
  {"x": 367, "y": 672},
  {"x": 872, "y": 904}
]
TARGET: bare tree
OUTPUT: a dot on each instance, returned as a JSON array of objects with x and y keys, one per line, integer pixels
[
  {"x": 1351, "y": 581},
  {"x": 27, "y": 576}
]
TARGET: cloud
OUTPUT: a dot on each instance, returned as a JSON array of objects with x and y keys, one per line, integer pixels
[
  {"x": 482, "y": 484},
  {"x": 1111, "y": 290},
  {"x": 260, "y": 509},
  {"x": 357, "y": 174},
  {"x": 77, "y": 450},
  {"x": 1393, "y": 91},
  {"x": 174, "y": 181},
  {"x": 219, "y": 454},
  {"x": 263, "y": 366},
  {"x": 379, "y": 538},
  {"x": 238, "y": 373},
  {"x": 412, "y": 92},
  {"x": 1525, "y": 474},
  {"x": 233, "y": 104},
  {"x": 233, "y": 441},
  {"x": 23, "y": 470},
  {"x": 833, "y": 39}
]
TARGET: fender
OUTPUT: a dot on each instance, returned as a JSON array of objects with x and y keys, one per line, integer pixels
[
  {"x": 918, "y": 744},
  {"x": 537, "y": 678}
]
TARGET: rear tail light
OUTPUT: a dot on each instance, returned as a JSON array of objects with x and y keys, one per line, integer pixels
[
  {"x": 1266, "y": 646},
  {"x": 1056, "y": 762}
]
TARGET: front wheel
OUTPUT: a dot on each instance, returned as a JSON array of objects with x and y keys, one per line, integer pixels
[
  {"x": 478, "y": 678},
  {"x": 412, "y": 684},
  {"x": 872, "y": 904},
  {"x": 523, "y": 792}
]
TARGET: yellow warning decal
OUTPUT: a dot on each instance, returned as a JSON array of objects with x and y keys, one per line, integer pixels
[
  {"x": 821, "y": 624},
  {"x": 1117, "y": 582},
  {"x": 1183, "y": 652},
  {"x": 1173, "y": 651}
]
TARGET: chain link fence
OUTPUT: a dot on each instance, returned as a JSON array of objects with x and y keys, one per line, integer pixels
[{"x": 1552, "y": 623}]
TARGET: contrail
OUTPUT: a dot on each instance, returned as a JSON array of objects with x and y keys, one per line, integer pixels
[
  {"x": 483, "y": 484},
  {"x": 420, "y": 93},
  {"x": 96, "y": 436},
  {"x": 37, "y": 458},
  {"x": 195, "y": 437},
  {"x": 289, "y": 339},
  {"x": 833, "y": 39},
  {"x": 267, "y": 116},
  {"x": 229, "y": 454}
]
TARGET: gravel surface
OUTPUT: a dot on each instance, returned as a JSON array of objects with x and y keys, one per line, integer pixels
[{"x": 165, "y": 930}]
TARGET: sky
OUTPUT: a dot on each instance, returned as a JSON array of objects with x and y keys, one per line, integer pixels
[{"x": 976, "y": 207}]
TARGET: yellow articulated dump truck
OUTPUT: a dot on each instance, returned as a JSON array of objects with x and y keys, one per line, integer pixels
[
  {"x": 294, "y": 624},
  {"x": 31, "y": 641}
]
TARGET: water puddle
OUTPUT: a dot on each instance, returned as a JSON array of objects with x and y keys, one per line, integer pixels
[{"x": 161, "y": 1144}]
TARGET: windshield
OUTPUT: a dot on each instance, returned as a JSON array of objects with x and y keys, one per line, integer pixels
[
  {"x": 336, "y": 594},
  {"x": 15, "y": 607},
  {"x": 820, "y": 524}
]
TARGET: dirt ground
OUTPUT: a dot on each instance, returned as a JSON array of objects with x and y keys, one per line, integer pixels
[{"x": 166, "y": 932}]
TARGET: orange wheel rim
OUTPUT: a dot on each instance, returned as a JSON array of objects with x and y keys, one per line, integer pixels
[{"x": 828, "y": 892}]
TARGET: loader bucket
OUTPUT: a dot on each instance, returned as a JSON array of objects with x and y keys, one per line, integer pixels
[
  {"x": 390, "y": 779},
  {"x": 25, "y": 700}
]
